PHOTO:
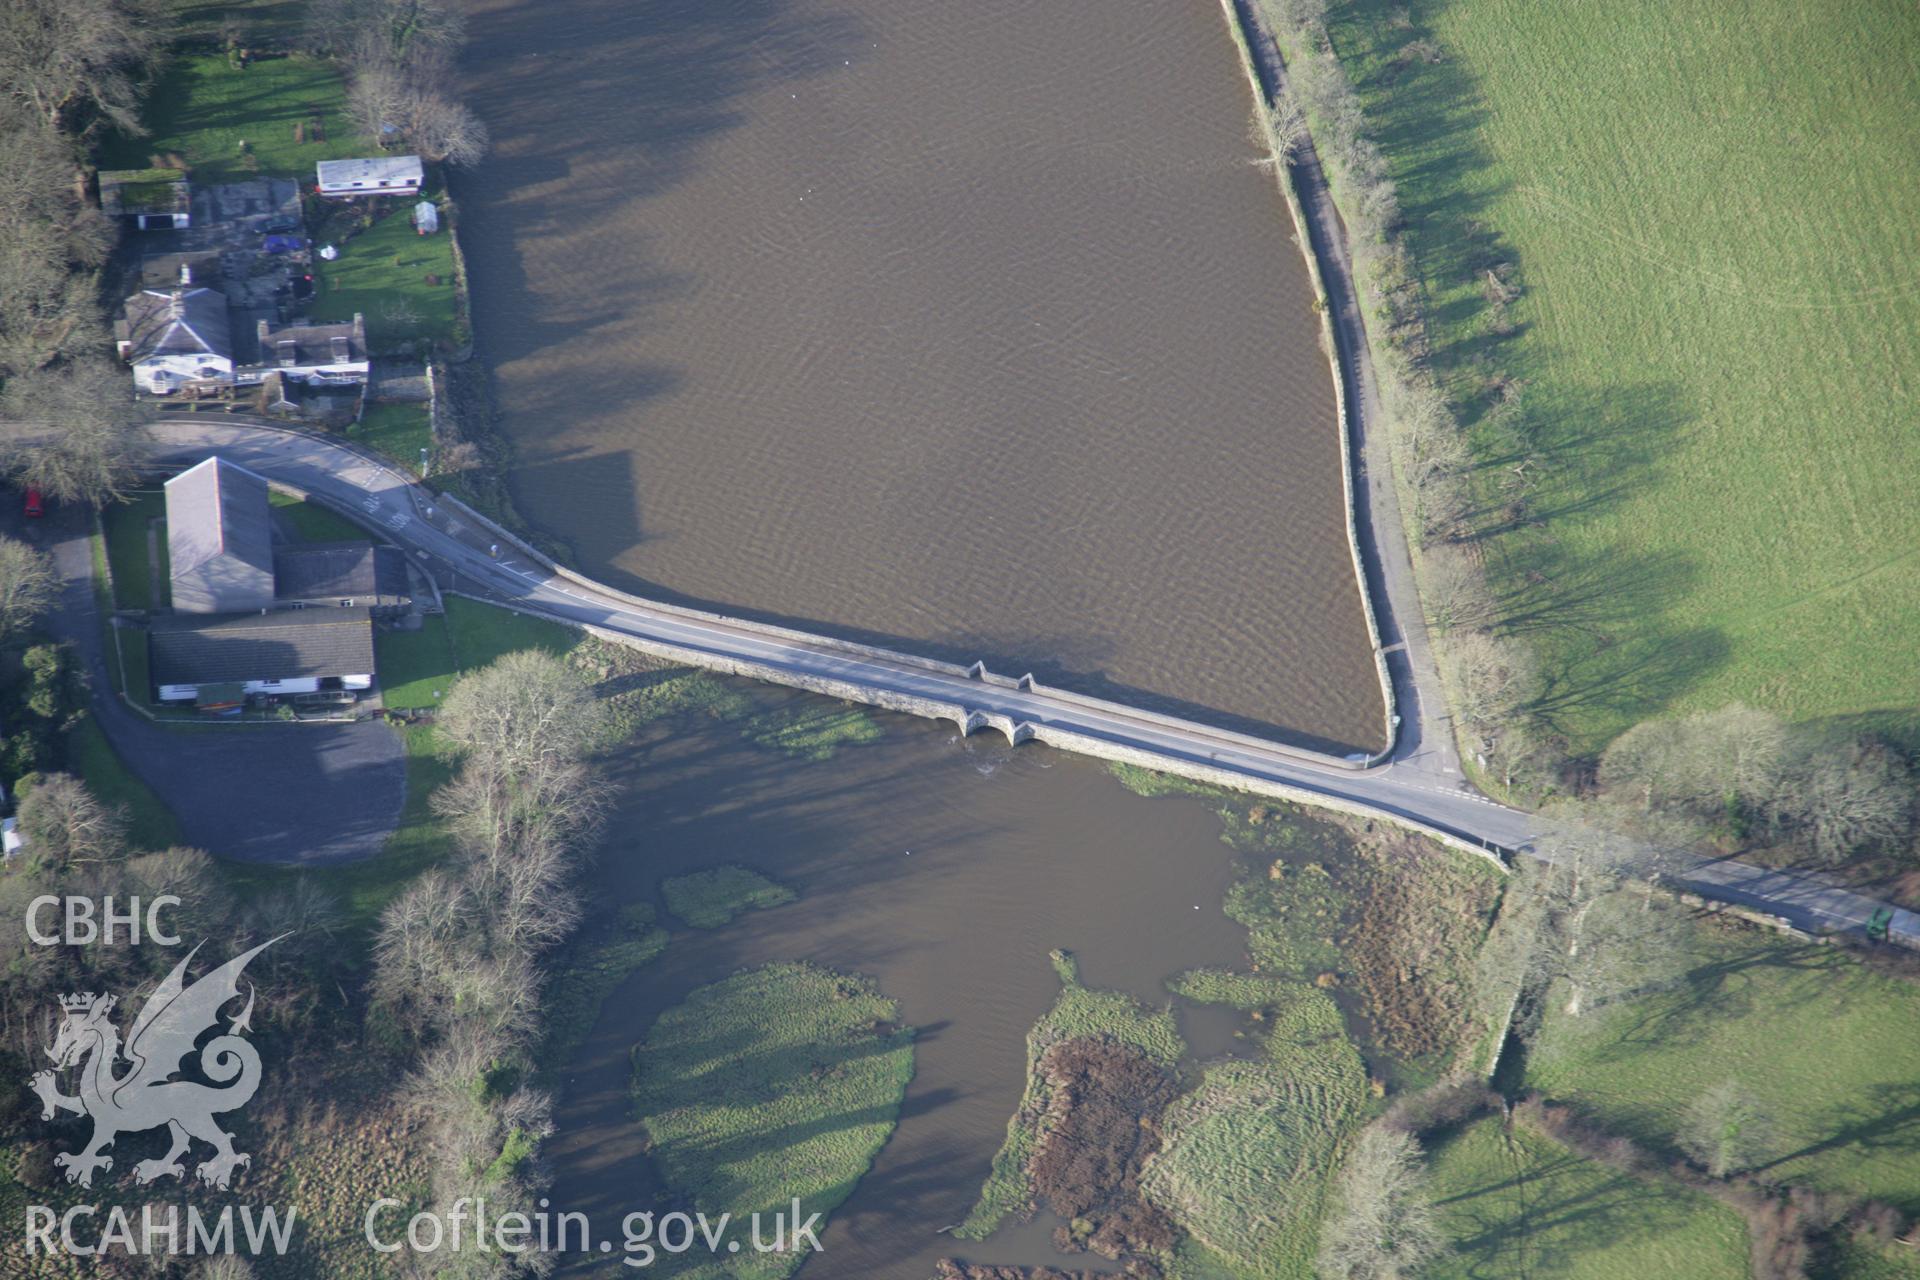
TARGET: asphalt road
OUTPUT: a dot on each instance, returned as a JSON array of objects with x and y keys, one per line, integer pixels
[{"x": 1417, "y": 785}]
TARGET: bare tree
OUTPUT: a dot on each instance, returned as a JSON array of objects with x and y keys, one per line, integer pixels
[
  {"x": 64, "y": 823},
  {"x": 1492, "y": 678},
  {"x": 1846, "y": 798},
  {"x": 1386, "y": 1227},
  {"x": 75, "y": 426},
  {"x": 417, "y": 37},
  {"x": 27, "y": 586},
  {"x": 1456, "y": 592},
  {"x": 77, "y": 61},
  {"x": 1726, "y": 1130},
  {"x": 525, "y": 714},
  {"x": 442, "y": 129}
]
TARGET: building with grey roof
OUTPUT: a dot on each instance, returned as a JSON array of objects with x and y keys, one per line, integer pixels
[
  {"x": 290, "y": 651},
  {"x": 151, "y": 199},
  {"x": 342, "y": 575},
  {"x": 173, "y": 337},
  {"x": 219, "y": 539},
  {"x": 317, "y": 353}
]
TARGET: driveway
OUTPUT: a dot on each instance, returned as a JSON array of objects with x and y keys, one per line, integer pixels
[{"x": 287, "y": 794}]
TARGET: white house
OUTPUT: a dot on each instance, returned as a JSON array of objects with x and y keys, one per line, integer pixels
[
  {"x": 11, "y": 841},
  {"x": 379, "y": 176},
  {"x": 316, "y": 354},
  {"x": 172, "y": 337}
]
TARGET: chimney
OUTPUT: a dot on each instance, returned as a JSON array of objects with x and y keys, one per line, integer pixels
[
  {"x": 341, "y": 348},
  {"x": 287, "y": 350},
  {"x": 260, "y": 330},
  {"x": 186, "y": 273}
]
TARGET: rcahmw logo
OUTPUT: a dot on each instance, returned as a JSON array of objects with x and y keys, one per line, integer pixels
[{"x": 132, "y": 1088}]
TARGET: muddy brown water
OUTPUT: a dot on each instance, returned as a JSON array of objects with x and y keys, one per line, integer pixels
[
  {"x": 972, "y": 329},
  {"x": 944, "y": 869}
]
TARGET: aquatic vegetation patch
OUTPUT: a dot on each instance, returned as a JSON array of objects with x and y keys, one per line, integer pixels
[
  {"x": 589, "y": 970},
  {"x": 708, "y": 899},
  {"x": 777, "y": 1082},
  {"x": 1080, "y": 1013},
  {"x": 1245, "y": 1158},
  {"x": 812, "y": 730}
]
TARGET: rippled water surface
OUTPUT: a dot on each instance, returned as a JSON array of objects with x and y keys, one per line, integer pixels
[{"x": 970, "y": 328}]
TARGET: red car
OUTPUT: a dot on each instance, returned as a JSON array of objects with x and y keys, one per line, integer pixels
[{"x": 35, "y": 507}]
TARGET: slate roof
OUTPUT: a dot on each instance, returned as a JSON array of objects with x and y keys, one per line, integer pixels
[
  {"x": 339, "y": 571},
  {"x": 344, "y": 342},
  {"x": 189, "y": 321},
  {"x": 219, "y": 539},
  {"x": 288, "y": 644}
]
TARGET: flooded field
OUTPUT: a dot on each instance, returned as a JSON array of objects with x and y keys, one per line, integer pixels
[
  {"x": 973, "y": 329},
  {"x": 944, "y": 870}
]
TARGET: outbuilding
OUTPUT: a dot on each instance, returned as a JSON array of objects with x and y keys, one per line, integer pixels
[
  {"x": 426, "y": 217},
  {"x": 149, "y": 199},
  {"x": 377, "y": 176}
]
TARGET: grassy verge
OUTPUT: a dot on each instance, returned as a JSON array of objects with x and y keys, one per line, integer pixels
[
  {"x": 1708, "y": 488},
  {"x": 1080, "y": 1011},
  {"x": 711, "y": 898},
  {"x": 777, "y": 1082},
  {"x": 1246, "y": 1157},
  {"x": 1520, "y": 1205},
  {"x": 1825, "y": 1043},
  {"x": 402, "y": 282},
  {"x": 150, "y": 824},
  {"x": 203, "y": 110},
  {"x": 400, "y": 430}
]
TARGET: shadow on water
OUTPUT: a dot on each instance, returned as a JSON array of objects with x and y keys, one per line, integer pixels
[{"x": 945, "y": 874}]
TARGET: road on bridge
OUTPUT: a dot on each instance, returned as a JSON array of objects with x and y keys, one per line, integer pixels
[{"x": 1415, "y": 785}]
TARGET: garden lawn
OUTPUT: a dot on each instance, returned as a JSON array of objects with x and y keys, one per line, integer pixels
[
  {"x": 417, "y": 667},
  {"x": 1826, "y": 1045},
  {"x": 778, "y": 1082},
  {"x": 202, "y": 110},
  {"x": 382, "y": 274},
  {"x": 1716, "y": 224},
  {"x": 126, "y": 527},
  {"x": 1518, "y": 1206}
]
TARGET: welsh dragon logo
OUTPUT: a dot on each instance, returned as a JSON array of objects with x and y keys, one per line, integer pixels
[{"x": 145, "y": 1096}]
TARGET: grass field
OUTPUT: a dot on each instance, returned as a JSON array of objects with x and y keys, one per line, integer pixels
[
  {"x": 382, "y": 273},
  {"x": 1716, "y": 225},
  {"x": 311, "y": 522},
  {"x": 1080, "y": 1011},
  {"x": 1521, "y": 1207},
  {"x": 1826, "y": 1044},
  {"x": 202, "y": 109},
  {"x": 711, "y": 898},
  {"x": 779, "y": 1082}
]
